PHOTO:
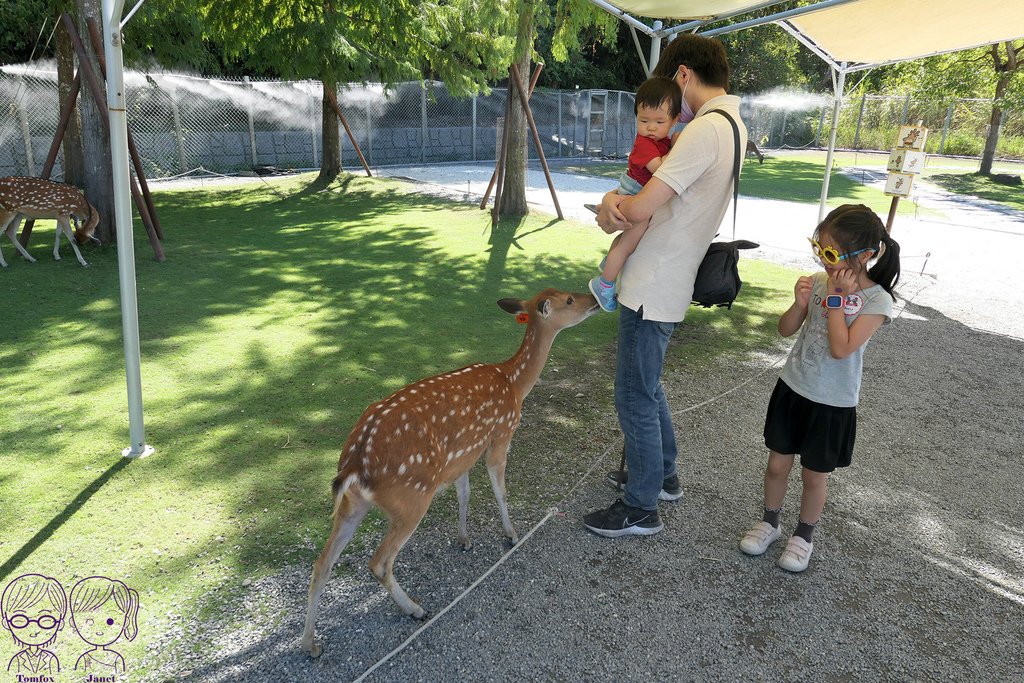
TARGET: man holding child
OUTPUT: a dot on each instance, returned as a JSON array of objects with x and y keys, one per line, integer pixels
[{"x": 681, "y": 208}]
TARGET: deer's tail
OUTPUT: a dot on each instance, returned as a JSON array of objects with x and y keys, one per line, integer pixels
[
  {"x": 92, "y": 220},
  {"x": 340, "y": 486}
]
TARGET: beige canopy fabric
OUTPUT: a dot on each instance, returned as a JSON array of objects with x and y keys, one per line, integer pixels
[
  {"x": 882, "y": 31},
  {"x": 684, "y": 9},
  {"x": 869, "y": 31}
]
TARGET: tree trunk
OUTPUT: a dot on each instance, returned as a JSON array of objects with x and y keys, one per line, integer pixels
[
  {"x": 330, "y": 141},
  {"x": 99, "y": 186},
  {"x": 1004, "y": 72},
  {"x": 513, "y": 193},
  {"x": 74, "y": 163}
]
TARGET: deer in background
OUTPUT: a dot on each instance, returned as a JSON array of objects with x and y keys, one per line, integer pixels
[
  {"x": 40, "y": 198},
  {"x": 429, "y": 434}
]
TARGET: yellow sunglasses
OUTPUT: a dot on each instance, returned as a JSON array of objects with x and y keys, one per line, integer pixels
[{"x": 831, "y": 255}]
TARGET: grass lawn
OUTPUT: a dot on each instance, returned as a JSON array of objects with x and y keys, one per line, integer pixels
[
  {"x": 796, "y": 176},
  {"x": 276, "y": 319},
  {"x": 981, "y": 186}
]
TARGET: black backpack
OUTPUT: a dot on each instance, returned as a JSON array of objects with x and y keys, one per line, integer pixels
[{"x": 718, "y": 277}]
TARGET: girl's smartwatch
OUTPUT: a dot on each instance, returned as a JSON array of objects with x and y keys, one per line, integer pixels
[{"x": 835, "y": 300}]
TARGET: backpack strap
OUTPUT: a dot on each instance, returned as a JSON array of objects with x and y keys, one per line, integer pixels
[{"x": 735, "y": 165}]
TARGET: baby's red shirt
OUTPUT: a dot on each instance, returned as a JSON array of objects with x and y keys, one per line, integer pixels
[{"x": 645, "y": 149}]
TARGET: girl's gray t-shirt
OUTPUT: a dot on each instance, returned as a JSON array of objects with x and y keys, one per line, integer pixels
[{"x": 810, "y": 370}]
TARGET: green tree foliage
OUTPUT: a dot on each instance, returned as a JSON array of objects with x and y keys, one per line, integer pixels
[
  {"x": 765, "y": 57},
  {"x": 462, "y": 42},
  {"x": 588, "y": 47},
  {"x": 21, "y": 23},
  {"x": 971, "y": 73}
]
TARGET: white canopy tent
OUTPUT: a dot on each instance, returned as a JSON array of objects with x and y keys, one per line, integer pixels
[{"x": 849, "y": 35}]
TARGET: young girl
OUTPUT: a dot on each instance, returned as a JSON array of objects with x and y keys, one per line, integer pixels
[
  {"x": 657, "y": 106},
  {"x": 813, "y": 408}
]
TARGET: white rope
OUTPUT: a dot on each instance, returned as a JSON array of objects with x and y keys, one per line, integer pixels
[
  {"x": 457, "y": 600},
  {"x": 738, "y": 386}
]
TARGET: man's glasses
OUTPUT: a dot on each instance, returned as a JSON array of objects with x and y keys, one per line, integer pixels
[
  {"x": 21, "y": 621},
  {"x": 831, "y": 255}
]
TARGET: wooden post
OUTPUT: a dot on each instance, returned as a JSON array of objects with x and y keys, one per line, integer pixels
[
  {"x": 312, "y": 129},
  {"x": 26, "y": 135},
  {"x": 474, "y": 127},
  {"x": 252, "y": 126},
  {"x": 892, "y": 215},
  {"x": 945, "y": 128},
  {"x": 369, "y": 130},
  {"x": 860, "y": 117},
  {"x": 423, "y": 122},
  {"x": 178, "y": 135},
  {"x": 525, "y": 101},
  {"x": 337, "y": 110}
]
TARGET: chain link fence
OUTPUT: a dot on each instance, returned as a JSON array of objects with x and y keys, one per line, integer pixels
[
  {"x": 181, "y": 123},
  {"x": 871, "y": 122}
]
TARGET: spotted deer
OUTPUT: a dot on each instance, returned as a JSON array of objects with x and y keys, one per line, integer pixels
[
  {"x": 41, "y": 198},
  {"x": 429, "y": 434}
]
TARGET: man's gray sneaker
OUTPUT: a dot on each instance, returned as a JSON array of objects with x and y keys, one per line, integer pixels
[{"x": 670, "y": 488}]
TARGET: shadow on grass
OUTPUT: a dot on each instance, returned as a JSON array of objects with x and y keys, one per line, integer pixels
[
  {"x": 1009, "y": 199},
  {"x": 383, "y": 306},
  {"x": 54, "y": 525}
]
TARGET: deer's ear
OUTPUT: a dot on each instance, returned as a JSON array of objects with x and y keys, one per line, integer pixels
[
  {"x": 544, "y": 307},
  {"x": 512, "y": 306}
]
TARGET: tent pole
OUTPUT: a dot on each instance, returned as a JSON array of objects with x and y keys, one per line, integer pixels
[
  {"x": 112, "y": 37},
  {"x": 839, "y": 79},
  {"x": 655, "y": 48}
]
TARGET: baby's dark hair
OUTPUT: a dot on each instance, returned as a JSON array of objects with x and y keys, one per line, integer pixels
[
  {"x": 855, "y": 226},
  {"x": 658, "y": 90}
]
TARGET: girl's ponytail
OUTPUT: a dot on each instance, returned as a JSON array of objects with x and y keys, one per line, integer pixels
[{"x": 886, "y": 270}]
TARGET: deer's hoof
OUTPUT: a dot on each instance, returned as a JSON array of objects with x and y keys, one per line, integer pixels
[
  {"x": 465, "y": 545},
  {"x": 420, "y": 614}
]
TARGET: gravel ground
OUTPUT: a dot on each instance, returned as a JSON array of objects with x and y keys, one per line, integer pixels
[{"x": 918, "y": 570}]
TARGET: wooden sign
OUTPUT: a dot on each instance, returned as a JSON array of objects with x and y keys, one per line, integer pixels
[
  {"x": 905, "y": 161},
  {"x": 912, "y": 137},
  {"x": 899, "y": 184}
]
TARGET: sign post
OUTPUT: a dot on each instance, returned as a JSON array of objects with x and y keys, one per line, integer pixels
[{"x": 905, "y": 161}]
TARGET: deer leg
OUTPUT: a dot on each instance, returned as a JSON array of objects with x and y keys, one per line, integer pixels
[
  {"x": 382, "y": 563},
  {"x": 11, "y": 228},
  {"x": 64, "y": 224},
  {"x": 496, "y": 459},
  {"x": 346, "y": 521},
  {"x": 462, "y": 488}
]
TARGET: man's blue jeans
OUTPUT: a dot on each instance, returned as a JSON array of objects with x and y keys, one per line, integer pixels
[{"x": 643, "y": 411}]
